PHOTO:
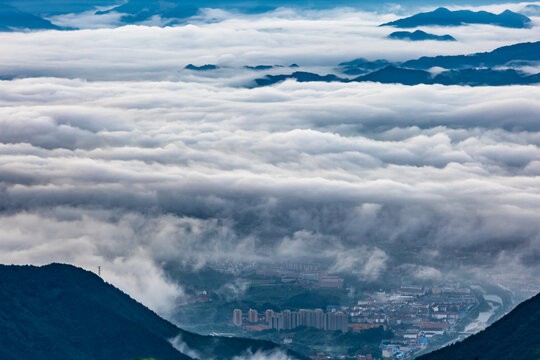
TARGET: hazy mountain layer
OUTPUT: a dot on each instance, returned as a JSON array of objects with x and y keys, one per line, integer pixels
[
  {"x": 11, "y": 18},
  {"x": 459, "y": 70},
  {"x": 518, "y": 52},
  {"x": 444, "y": 17},
  {"x": 419, "y": 35}
]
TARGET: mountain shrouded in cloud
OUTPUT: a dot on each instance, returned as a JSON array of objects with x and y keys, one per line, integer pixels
[
  {"x": 11, "y": 18},
  {"x": 452, "y": 70},
  {"x": 444, "y": 17},
  {"x": 419, "y": 35},
  {"x": 50, "y": 7},
  {"x": 499, "y": 57}
]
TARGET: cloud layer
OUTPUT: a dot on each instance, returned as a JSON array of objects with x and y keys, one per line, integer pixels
[
  {"x": 158, "y": 166},
  {"x": 154, "y": 172}
]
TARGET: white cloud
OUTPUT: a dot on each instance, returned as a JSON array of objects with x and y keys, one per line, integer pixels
[
  {"x": 89, "y": 242},
  {"x": 158, "y": 165}
]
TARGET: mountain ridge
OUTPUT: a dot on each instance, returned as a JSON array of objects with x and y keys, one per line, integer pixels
[
  {"x": 528, "y": 51},
  {"x": 445, "y": 17},
  {"x": 13, "y": 19},
  {"x": 516, "y": 336},
  {"x": 419, "y": 35},
  {"x": 59, "y": 312}
]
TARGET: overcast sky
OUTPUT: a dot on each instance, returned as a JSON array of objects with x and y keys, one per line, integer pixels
[{"x": 112, "y": 154}]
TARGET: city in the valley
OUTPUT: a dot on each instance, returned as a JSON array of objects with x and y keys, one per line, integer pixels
[{"x": 330, "y": 316}]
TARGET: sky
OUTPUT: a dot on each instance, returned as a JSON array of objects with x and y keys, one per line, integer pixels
[{"x": 114, "y": 155}]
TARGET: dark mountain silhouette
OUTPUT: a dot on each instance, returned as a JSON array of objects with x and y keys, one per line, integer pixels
[
  {"x": 202, "y": 67},
  {"x": 419, "y": 35},
  {"x": 62, "y": 312},
  {"x": 141, "y": 10},
  {"x": 13, "y": 19},
  {"x": 478, "y": 69},
  {"x": 468, "y": 77},
  {"x": 522, "y": 53},
  {"x": 362, "y": 66},
  {"x": 516, "y": 336},
  {"x": 392, "y": 74},
  {"x": 444, "y": 17},
  {"x": 398, "y": 75},
  {"x": 518, "y": 52},
  {"x": 183, "y": 8},
  {"x": 55, "y": 7},
  {"x": 299, "y": 76},
  {"x": 268, "y": 67},
  {"x": 480, "y": 77},
  {"x": 261, "y": 67},
  {"x": 174, "y": 12}
]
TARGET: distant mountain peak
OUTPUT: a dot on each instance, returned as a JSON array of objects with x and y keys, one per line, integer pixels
[
  {"x": 419, "y": 35},
  {"x": 205, "y": 67},
  {"x": 13, "y": 19},
  {"x": 445, "y": 17}
]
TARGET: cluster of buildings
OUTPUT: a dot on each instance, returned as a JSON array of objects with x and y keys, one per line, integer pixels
[
  {"x": 288, "y": 320},
  {"x": 414, "y": 314},
  {"x": 323, "y": 356}
]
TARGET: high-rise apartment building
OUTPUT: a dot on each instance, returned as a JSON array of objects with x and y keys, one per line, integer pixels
[
  {"x": 268, "y": 316},
  {"x": 287, "y": 320},
  {"x": 319, "y": 319},
  {"x": 237, "y": 317},
  {"x": 336, "y": 321},
  {"x": 278, "y": 322},
  {"x": 253, "y": 316}
]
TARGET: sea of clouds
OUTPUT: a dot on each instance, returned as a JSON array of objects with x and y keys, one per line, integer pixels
[{"x": 112, "y": 154}]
